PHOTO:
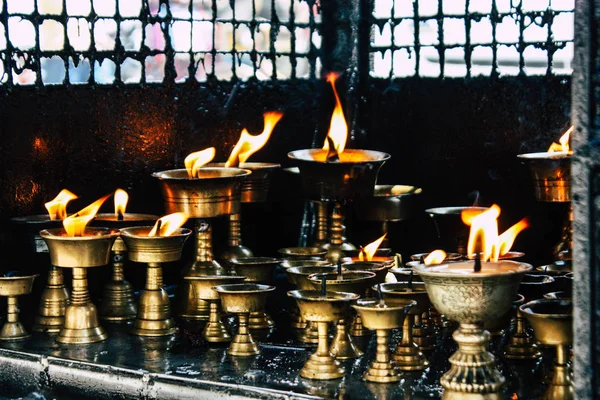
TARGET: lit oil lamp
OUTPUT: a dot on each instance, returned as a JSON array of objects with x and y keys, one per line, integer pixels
[
  {"x": 255, "y": 188},
  {"x": 155, "y": 246},
  {"x": 551, "y": 175},
  {"x": 201, "y": 192},
  {"x": 12, "y": 286},
  {"x": 372, "y": 253},
  {"x": 55, "y": 298},
  {"x": 472, "y": 292},
  {"x": 118, "y": 302},
  {"x": 451, "y": 231},
  {"x": 337, "y": 174},
  {"x": 79, "y": 248},
  {"x": 390, "y": 203}
]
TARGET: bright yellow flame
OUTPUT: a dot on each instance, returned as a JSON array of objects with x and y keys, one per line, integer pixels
[
  {"x": 194, "y": 161},
  {"x": 369, "y": 250},
  {"x": 76, "y": 223},
  {"x": 168, "y": 224},
  {"x": 250, "y": 144},
  {"x": 564, "y": 142},
  {"x": 468, "y": 214},
  {"x": 484, "y": 231},
  {"x": 57, "y": 207},
  {"x": 506, "y": 240},
  {"x": 338, "y": 129},
  {"x": 435, "y": 257},
  {"x": 121, "y": 199}
]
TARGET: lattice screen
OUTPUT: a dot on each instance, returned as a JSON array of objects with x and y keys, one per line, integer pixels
[
  {"x": 137, "y": 42},
  {"x": 461, "y": 38}
]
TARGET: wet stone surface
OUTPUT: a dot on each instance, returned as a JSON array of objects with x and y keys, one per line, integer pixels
[{"x": 277, "y": 368}]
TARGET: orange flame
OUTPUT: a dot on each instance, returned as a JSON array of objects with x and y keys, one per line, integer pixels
[
  {"x": 484, "y": 231},
  {"x": 57, "y": 207},
  {"x": 168, "y": 224},
  {"x": 564, "y": 142},
  {"x": 194, "y": 161},
  {"x": 435, "y": 257},
  {"x": 338, "y": 129},
  {"x": 249, "y": 144},
  {"x": 121, "y": 199},
  {"x": 75, "y": 224},
  {"x": 369, "y": 250}
]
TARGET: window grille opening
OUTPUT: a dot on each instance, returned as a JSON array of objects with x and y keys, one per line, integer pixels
[{"x": 55, "y": 42}]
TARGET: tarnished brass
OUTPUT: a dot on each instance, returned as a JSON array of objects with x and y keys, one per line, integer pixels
[
  {"x": 498, "y": 327},
  {"x": 380, "y": 269},
  {"x": 321, "y": 224},
  {"x": 352, "y": 178},
  {"x": 12, "y": 287},
  {"x": 81, "y": 324},
  {"x": 154, "y": 312},
  {"x": 405, "y": 274},
  {"x": 383, "y": 317},
  {"x": 451, "y": 231},
  {"x": 335, "y": 249},
  {"x": 552, "y": 322},
  {"x": 216, "y": 192},
  {"x": 53, "y": 303},
  {"x": 255, "y": 188},
  {"x": 342, "y": 346},
  {"x": 292, "y": 253},
  {"x": 521, "y": 345},
  {"x": 389, "y": 203},
  {"x": 258, "y": 270},
  {"x": 243, "y": 299},
  {"x": 214, "y": 331},
  {"x": 300, "y": 275},
  {"x": 322, "y": 309},
  {"x": 408, "y": 356},
  {"x": 471, "y": 299},
  {"x": 235, "y": 248}
]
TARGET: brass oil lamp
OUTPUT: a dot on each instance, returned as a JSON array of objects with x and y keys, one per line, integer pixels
[
  {"x": 408, "y": 356},
  {"x": 202, "y": 287},
  {"x": 336, "y": 174},
  {"x": 471, "y": 298},
  {"x": 552, "y": 322},
  {"x": 291, "y": 253},
  {"x": 257, "y": 270},
  {"x": 12, "y": 287},
  {"x": 50, "y": 316},
  {"x": 383, "y": 316},
  {"x": 81, "y": 324},
  {"x": 155, "y": 246},
  {"x": 452, "y": 232},
  {"x": 201, "y": 193},
  {"x": 342, "y": 346},
  {"x": 118, "y": 302},
  {"x": 243, "y": 299},
  {"x": 551, "y": 176},
  {"x": 298, "y": 275},
  {"x": 322, "y": 307},
  {"x": 390, "y": 203}
]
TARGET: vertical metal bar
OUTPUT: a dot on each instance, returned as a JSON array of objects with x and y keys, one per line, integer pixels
[
  {"x": 586, "y": 201},
  {"x": 9, "y": 47},
  {"x": 441, "y": 45},
  {"x": 494, "y": 17},
  {"x": 417, "y": 26},
  {"x": 234, "y": 52},
  {"x": 292, "y": 29},
  {"x": 468, "y": 48}
]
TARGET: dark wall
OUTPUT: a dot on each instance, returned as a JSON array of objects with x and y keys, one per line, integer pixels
[{"x": 449, "y": 137}]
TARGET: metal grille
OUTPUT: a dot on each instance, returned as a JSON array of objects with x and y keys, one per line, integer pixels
[
  {"x": 463, "y": 38},
  {"x": 50, "y": 42}
]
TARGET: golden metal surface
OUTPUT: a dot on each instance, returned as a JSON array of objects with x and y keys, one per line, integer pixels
[
  {"x": 118, "y": 303},
  {"x": 322, "y": 309},
  {"x": 551, "y": 175},
  {"x": 500, "y": 326},
  {"x": 389, "y": 203},
  {"x": 321, "y": 224},
  {"x": 53, "y": 303},
  {"x": 11, "y": 288},
  {"x": 300, "y": 275},
  {"x": 342, "y": 347},
  {"x": 92, "y": 250},
  {"x": 379, "y": 268},
  {"x": 471, "y": 299},
  {"x": 255, "y": 188},
  {"x": 292, "y": 253},
  {"x": 217, "y": 192},
  {"x": 243, "y": 299},
  {"x": 337, "y": 244},
  {"x": 408, "y": 356},
  {"x": 153, "y": 249},
  {"x": 552, "y": 322},
  {"x": 235, "y": 248},
  {"x": 383, "y": 317}
]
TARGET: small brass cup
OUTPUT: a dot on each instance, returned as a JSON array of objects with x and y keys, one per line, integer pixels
[
  {"x": 552, "y": 322},
  {"x": 154, "y": 311},
  {"x": 322, "y": 309},
  {"x": 202, "y": 287},
  {"x": 383, "y": 317},
  {"x": 79, "y": 253},
  {"x": 243, "y": 299},
  {"x": 12, "y": 287},
  {"x": 343, "y": 347},
  {"x": 408, "y": 356}
]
